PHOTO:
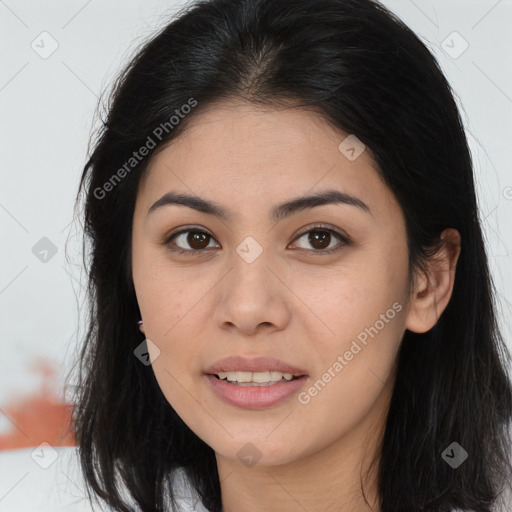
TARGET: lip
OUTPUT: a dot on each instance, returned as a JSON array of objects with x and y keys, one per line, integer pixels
[
  {"x": 255, "y": 397},
  {"x": 253, "y": 364}
]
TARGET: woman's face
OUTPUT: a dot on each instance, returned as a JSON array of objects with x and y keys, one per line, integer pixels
[{"x": 269, "y": 281}]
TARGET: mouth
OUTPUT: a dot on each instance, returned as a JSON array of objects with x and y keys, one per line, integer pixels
[
  {"x": 248, "y": 379},
  {"x": 256, "y": 395},
  {"x": 254, "y": 371},
  {"x": 256, "y": 383}
]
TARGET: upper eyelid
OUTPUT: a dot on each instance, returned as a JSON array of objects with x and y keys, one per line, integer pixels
[{"x": 339, "y": 233}]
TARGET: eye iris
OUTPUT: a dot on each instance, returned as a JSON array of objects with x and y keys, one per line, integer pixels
[
  {"x": 319, "y": 236},
  {"x": 197, "y": 237}
]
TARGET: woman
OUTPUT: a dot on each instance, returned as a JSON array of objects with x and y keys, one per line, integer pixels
[{"x": 291, "y": 302}]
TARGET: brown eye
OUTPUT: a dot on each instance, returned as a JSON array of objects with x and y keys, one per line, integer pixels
[
  {"x": 197, "y": 240},
  {"x": 319, "y": 239},
  {"x": 322, "y": 240}
]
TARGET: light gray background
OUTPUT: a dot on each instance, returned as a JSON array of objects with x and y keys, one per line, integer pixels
[{"x": 46, "y": 113}]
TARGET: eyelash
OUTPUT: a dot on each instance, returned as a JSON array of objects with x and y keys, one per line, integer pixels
[{"x": 319, "y": 228}]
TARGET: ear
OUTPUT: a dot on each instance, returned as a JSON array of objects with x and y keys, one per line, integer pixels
[{"x": 434, "y": 287}]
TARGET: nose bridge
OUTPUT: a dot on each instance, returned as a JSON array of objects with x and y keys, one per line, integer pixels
[
  {"x": 250, "y": 250},
  {"x": 251, "y": 284},
  {"x": 250, "y": 262}
]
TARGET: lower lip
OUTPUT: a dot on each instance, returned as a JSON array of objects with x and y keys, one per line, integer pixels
[{"x": 255, "y": 397}]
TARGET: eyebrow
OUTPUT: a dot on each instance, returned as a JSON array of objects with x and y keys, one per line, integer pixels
[{"x": 277, "y": 213}]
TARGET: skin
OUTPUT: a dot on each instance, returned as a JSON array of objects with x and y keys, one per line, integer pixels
[{"x": 303, "y": 308}]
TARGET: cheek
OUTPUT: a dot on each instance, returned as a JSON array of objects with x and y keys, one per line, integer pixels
[
  {"x": 176, "y": 326},
  {"x": 169, "y": 299},
  {"x": 342, "y": 302},
  {"x": 181, "y": 389},
  {"x": 353, "y": 367},
  {"x": 174, "y": 322},
  {"x": 168, "y": 295},
  {"x": 354, "y": 345}
]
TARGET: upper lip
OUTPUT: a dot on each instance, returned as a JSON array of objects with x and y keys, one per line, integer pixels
[{"x": 252, "y": 364}]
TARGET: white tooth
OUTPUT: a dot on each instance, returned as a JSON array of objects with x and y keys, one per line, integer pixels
[
  {"x": 261, "y": 377},
  {"x": 255, "y": 377},
  {"x": 275, "y": 376},
  {"x": 256, "y": 384},
  {"x": 243, "y": 376}
]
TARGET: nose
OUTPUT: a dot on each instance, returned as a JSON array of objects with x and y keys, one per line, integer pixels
[{"x": 253, "y": 297}]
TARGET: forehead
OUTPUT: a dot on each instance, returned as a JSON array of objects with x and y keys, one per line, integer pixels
[{"x": 235, "y": 151}]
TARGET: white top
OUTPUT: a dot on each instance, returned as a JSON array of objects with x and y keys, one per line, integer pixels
[{"x": 48, "y": 479}]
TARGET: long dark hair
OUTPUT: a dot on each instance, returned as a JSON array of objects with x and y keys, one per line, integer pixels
[{"x": 368, "y": 74}]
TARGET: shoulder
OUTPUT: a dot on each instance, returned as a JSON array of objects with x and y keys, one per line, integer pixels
[
  {"x": 185, "y": 495},
  {"x": 49, "y": 479},
  {"x": 42, "y": 479}
]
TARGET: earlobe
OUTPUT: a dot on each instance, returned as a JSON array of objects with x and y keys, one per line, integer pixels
[{"x": 434, "y": 287}]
